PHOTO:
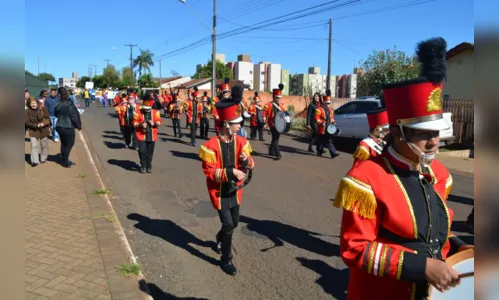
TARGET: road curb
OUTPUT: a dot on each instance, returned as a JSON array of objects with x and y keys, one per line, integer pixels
[{"x": 116, "y": 224}]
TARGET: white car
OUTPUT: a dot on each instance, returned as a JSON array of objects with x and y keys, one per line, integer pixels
[{"x": 351, "y": 118}]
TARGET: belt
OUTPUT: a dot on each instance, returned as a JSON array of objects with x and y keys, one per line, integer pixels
[{"x": 420, "y": 246}]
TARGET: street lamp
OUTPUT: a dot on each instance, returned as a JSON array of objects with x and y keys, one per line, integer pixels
[{"x": 214, "y": 43}]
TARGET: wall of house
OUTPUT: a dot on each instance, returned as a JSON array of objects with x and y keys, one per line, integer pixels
[
  {"x": 460, "y": 76},
  {"x": 285, "y": 81},
  {"x": 259, "y": 77},
  {"x": 274, "y": 76},
  {"x": 244, "y": 72}
]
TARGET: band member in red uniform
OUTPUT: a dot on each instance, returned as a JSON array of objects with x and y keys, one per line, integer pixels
[
  {"x": 205, "y": 113},
  {"x": 225, "y": 159},
  {"x": 374, "y": 144},
  {"x": 128, "y": 111},
  {"x": 270, "y": 109},
  {"x": 194, "y": 110},
  {"x": 118, "y": 109},
  {"x": 324, "y": 116},
  {"x": 395, "y": 231},
  {"x": 175, "y": 111},
  {"x": 146, "y": 122},
  {"x": 255, "y": 125},
  {"x": 188, "y": 108},
  {"x": 225, "y": 88}
]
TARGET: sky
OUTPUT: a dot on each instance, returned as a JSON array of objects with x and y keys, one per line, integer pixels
[{"x": 68, "y": 36}]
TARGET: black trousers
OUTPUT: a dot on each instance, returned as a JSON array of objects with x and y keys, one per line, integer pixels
[
  {"x": 87, "y": 102},
  {"x": 274, "y": 144},
  {"x": 325, "y": 141},
  {"x": 194, "y": 128},
  {"x": 229, "y": 219},
  {"x": 130, "y": 136},
  {"x": 146, "y": 152},
  {"x": 67, "y": 136},
  {"x": 204, "y": 126},
  {"x": 176, "y": 127},
  {"x": 313, "y": 138},
  {"x": 254, "y": 130},
  {"x": 471, "y": 216}
]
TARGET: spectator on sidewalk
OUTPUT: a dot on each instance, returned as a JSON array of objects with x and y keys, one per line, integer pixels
[
  {"x": 43, "y": 97},
  {"x": 86, "y": 97},
  {"x": 50, "y": 104},
  {"x": 27, "y": 96},
  {"x": 68, "y": 119},
  {"x": 72, "y": 97},
  {"x": 37, "y": 121}
]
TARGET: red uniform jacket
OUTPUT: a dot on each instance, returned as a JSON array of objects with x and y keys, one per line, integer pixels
[
  {"x": 269, "y": 114},
  {"x": 119, "y": 112},
  {"x": 214, "y": 113},
  {"x": 320, "y": 118},
  {"x": 217, "y": 175},
  {"x": 367, "y": 148},
  {"x": 252, "y": 110},
  {"x": 173, "y": 114},
  {"x": 188, "y": 109},
  {"x": 380, "y": 207},
  {"x": 124, "y": 112},
  {"x": 141, "y": 131}
]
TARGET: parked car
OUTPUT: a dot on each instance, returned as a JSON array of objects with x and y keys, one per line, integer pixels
[{"x": 351, "y": 118}]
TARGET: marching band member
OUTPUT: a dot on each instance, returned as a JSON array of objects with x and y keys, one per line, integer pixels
[
  {"x": 254, "y": 125},
  {"x": 188, "y": 108},
  {"x": 225, "y": 158},
  {"x": 374, "y": 144},
  {"x": 128, "y": 111},
  {"x": 324, "y": 116},
  {"x": 118, "y": 109},
  {"x": 311, "y": 123},
  {"x": 194, "y": 115},
  {"x": 225, "y": 88},
  {"x": 205, "y": 111},
  {"x": 270, "y": 109},
  {"x": 146, "y": 122},
  {"x": 176, "y": 110},
  {"x": 214, "y": 113},
  {"x": 395, "y": 231}
]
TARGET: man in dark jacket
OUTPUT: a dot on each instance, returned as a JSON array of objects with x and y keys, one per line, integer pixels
[
  {"x": 311, "y": 123},
  {"x": 50, "y": 103}
]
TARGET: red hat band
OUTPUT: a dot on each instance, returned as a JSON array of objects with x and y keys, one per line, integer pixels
[
  {"x": 226, "y": 87},
  {"x": 276, "y": 92},
  {"x": 148, "y": 103},
  {"x": 414, "y": 103},
  {"x": 230, "y": 113},
  {"x": 326, "y": 98},
  {"x": 256, "y": 98},
  {"x": 377, "y": 119}
]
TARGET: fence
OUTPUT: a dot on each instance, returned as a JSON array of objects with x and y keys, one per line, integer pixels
[{"x": 463, "y": 119}]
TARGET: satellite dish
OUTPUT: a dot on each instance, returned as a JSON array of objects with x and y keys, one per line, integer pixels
[{"x": 175, "y": 73}]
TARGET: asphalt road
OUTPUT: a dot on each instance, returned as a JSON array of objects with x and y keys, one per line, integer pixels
[{"x": 286, "y": 246}]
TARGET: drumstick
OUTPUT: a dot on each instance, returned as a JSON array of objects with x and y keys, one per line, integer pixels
[{"x": 468, "y": 274}]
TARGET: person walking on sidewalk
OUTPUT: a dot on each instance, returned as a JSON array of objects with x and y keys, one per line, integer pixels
[
  {"x": 50, "y": 104},
  {"x": 311, "y": 123},
  {"x": 86, "y": 97},
  {"x": 68, "y": 118},
  {"x": 37, "y": 121},
  {"x": 225, "y": 158},
  {"x": 146, "y": 123}
]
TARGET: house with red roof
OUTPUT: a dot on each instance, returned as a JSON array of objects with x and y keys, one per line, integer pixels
[{"x": 460, "y": 72}]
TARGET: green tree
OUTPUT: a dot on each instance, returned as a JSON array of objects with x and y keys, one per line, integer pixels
[
  {"x": 46, "y": 77},
  {"x": 82, "y": 80},
  {"x": 111, "y": 76},
  {"x": 222, "y": 71},
  {"x": 145, "y": 81},
  {"x": 143, "y": 61},
  {"x": 127, "y": 78},
  {"x": 382, "y": 67},
  {"x": 99, "y": 82}
]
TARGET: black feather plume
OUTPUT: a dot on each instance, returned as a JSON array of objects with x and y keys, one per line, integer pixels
[
  {"x": 256, "y": 94},
  {"x": 431, "y": 54},
  {"x": 382, "y": 98},
  {"x": 236, "y": 94},
  {"x": 227, "y": 80},
  {"x": 281, "y": 86},
  {"x": 328, "y": 93},
  {"x": 196, "y": 89},
  {"x": 205, "y": 93}
]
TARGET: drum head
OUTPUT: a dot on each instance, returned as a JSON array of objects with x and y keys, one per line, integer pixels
[
  {"x": 246, "y": 115},
  {"x": 259, "y": 116},
  {"x": 331, "y": 129},
  {"x": 462, "y": 262},
  {"x": 280, "y": 121}
]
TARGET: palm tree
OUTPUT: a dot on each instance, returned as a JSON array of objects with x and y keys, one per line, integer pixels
[{"x": 143, "y": 61}]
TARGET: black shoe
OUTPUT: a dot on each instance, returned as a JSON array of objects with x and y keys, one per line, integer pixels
[
  {"x": 149, "y": 170},
  {"x": 278, "y": 157},
  {"x": 132, "y": 148},
  {"x": 71, "y": 163},
  {"x": 319, "y": 154},
  {"x": 311, "y": 150},
  {"x": 34, "y": 164},
  {"x": 334, "y": 155},
  {"x": 228, "y": 268},
  {"x": 218, "y": 248},
  {"x": 470, "y": 227},
  {"x": 67, "y": 164},
  {"x": 262, "y": 140},
  {"x": 142, "y": 170},
  {"x": 43, "y": 161}
]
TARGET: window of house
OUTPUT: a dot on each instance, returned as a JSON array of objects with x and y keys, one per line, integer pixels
[{"x": 251, "y": 72}]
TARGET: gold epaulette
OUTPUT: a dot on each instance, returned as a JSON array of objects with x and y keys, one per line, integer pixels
[
  {"x": 448, "y": 186},
  {"x": 356, "y": 196},
  {"x": 361, "y": 153},
  {"x": 317, "y": 111},
  {"x": 247, "y": 149},
  {"x": 207, "y": 155}
]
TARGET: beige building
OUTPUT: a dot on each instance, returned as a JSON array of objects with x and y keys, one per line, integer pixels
[{"x": 460, "y": 70}]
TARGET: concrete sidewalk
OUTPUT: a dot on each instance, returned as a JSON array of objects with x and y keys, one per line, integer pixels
[
  {"x": 459, "y": 164},
  {"x": 72, "y": 239}
]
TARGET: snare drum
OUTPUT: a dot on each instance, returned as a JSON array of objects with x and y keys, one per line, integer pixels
[
  {"x": 246, "y": 115},
  {"x": 464, "y": 263},
  {"x": 332, "y": 130}
]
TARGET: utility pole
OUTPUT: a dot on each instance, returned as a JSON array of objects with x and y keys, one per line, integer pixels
[
  {"x": 95, "y": 66},
  {"x": 131, "y": 57},
  {"x": 214, "y": 51},
  {"x": 38, "y": 57},
  {"x": 328, "y": 80},
  {"x": 160, "y": 76},
  {"x": 107, "y": 61}
]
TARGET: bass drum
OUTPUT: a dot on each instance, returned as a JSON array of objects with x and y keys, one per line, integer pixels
[
  {"x": 259, "y": 117},
  {"x": 282, "y": 121},
  {"x": 333, "y": 130}
]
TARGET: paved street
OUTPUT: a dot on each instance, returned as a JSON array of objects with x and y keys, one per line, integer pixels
[{"x": 286, "y": 246}]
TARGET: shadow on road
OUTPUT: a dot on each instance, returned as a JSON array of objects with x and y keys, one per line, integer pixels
[
  {"x": 107, "y": 136},
  {"x": 112, "y": 132},
  {"x": 291, "y": 150},
  {"x": 172, "y": 233},
  {"x": 176, "y": 140},
  {"x": 112, "y": 145},
  {"x": 125, "y": 164},
  {"x": 279, "y": 233},
  {"x": 112, "y": 115},
  {"x": 188, "y": 155},
  {"x": 333, "y": 281},
  {"x": 462, "y": 200},
  {"x": 341, "y": 144},
  {"x": 255, "y": 153},
  {"x": 158, "y": 294}
]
